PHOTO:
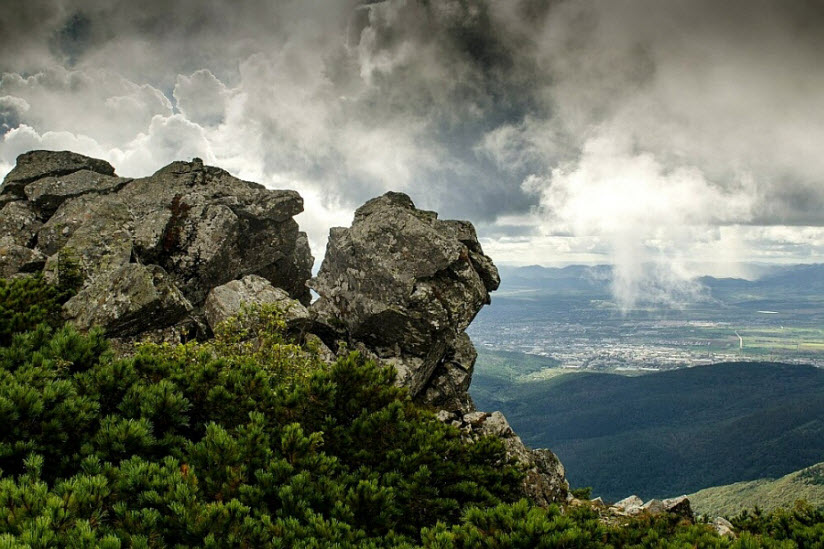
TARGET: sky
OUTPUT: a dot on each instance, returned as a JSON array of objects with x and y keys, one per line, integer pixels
[{"x": 667, "y": 138}]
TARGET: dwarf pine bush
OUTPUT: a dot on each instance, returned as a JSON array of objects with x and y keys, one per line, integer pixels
[{"x": 250, "y": 440}]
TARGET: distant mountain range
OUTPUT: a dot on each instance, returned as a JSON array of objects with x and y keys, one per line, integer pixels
[{"x": 598, "y": 279}]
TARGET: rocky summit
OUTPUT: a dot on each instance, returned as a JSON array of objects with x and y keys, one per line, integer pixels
[{"x": 170, "y": 256}]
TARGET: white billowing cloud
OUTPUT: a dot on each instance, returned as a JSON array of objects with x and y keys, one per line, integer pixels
[
  {"x": 649, "y": 214},
  {"x": 167, "y": 139},
  {"x": 640, "y": 132},
  {"x": 202, "y": 98},
  {"x": 25, "y": 138},
  {"x": 98, "y": 104}
]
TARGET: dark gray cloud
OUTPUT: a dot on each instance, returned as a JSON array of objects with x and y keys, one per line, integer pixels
[{"x": 634, "y": 126}]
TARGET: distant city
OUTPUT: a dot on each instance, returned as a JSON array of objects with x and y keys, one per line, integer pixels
[{"x": 568, "y": 315}]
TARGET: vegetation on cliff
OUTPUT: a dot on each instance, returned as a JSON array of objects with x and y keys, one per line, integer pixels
[{"x": 250, "y": 440}]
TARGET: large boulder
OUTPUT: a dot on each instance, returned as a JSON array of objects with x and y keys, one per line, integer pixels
[
  {"x": 229, "y": 299},
  {"x": 35, "y": 165},
  {"x": 128, "y": 301},
  {"x": 404, "y": 285},
  {"x": 16, "y": 259},
  {"x": 207, "y": 228},
  {"x": 197, "y": 225}
]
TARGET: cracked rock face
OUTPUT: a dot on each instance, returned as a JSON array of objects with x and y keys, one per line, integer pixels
[
  {"x": 228, "y": 300},
  {"x": 404, "y": 285},
  {"x": 161, "y": 243}
]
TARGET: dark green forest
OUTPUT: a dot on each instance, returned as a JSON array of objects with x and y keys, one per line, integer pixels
[
  {"x": 672, "y": 432},
  {"x": 250, "y": 440}
]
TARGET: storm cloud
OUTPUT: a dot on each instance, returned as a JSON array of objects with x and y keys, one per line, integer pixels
[{"x": 638, "y": 132}]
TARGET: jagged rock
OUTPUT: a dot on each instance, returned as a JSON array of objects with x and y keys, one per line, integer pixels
[
  {"x": 654, "y": 507},
  {"x": 91, "y": 217},
  {"x": 445, "y": 416},
  {"x": 678, "y": 506},
  {"x": 723, "y": 527},
  {"x": 316, "y": 344},
  {"x": 199, "y": 224},
  {"x": 95, "y": 235},
  {"x": 207, "y": 228},
  {"x": 598, "y": 502},
  {"x": 632, "y": 505},
  {"x": 227, "y": 300},
  {"x": 545, "y": 482},
  {"x": 19, "y": 221},
  {"x": 128, "y": 301},
  {"x": 16, "y": 259},
  {"x": 401, "y": 286},
  {"x": 50, "y": 192},
  {"x": 6, "y": 198},
  {"x": 35, "y": 165},
  {"x": 448, "y": 388},
  {"x": 405, "y": 284}
]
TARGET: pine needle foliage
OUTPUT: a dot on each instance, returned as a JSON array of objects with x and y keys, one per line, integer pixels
[{"x": 250, "y": 440}]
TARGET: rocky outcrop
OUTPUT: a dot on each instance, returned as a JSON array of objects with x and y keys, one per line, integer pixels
[
  {"x": 129, "y": 300},
  {"x": 147, "y": 251},
  {"x": 545, "y": 481},
  {"x": 633, "y": 505},
  {"x": 173, "y": 255},
  {"x": 723, "y": 527},
  {"x": 401, "y": 286}
]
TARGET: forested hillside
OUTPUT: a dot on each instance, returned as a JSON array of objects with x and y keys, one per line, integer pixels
[
  {"x": 668, "y": 433},
  {"x": 769, "y": 494}
]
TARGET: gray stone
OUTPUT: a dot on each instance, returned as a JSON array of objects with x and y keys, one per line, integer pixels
[
  {"x": 15, "y": 259},
  {"x": 445, "y": 416},
  {"x": 49, "y": 193},
  {"x": 679, "y": 506},
  {"x": 403, "y": 283},
  {"x": 128, "y": 301},
  {"x": 19, "y": 221},
  {"x": 723, "y": 527},
  {"x": 199, "y": 224},
  {"x": 545, "y": 481},
  {"x": 630, "y": 506},
  {"x": 93, "y": 217},
  {"x": 227, "y": 301},
  {"x": 476, "y": 419},
  {"x": 449, "y": 385},
  {"x": 35, "y": 165},
  {"x": 495, "y": 424},
  {"x": 654, "y": 507},
  {"x": 207, "y": 228},
  {"x": 316, "y": 344}
]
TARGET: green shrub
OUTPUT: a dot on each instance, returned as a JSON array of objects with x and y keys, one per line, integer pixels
[
  {"x": 224, "y": 444},
  {"x": 26, "y": 302},
  {"x": 251, "y": 441}
]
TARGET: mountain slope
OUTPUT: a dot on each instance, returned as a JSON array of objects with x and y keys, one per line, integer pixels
[
  {"x": 768, "y": 494},
  {"x": 669, "y": 433}
]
